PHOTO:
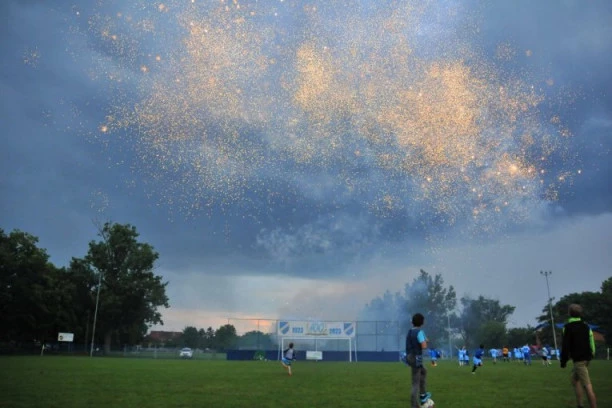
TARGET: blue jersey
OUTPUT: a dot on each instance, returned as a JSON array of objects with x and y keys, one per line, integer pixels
[{"x": 479, "y": 353}]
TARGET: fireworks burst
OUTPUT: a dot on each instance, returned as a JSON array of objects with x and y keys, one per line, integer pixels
[
  {"x": 231, "y": 101},
  {"x": 31, "y": 57}
]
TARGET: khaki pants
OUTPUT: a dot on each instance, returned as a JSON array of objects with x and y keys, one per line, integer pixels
[{"x": 580, "y": 372}]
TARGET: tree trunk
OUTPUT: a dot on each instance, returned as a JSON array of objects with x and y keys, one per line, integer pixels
[{"x": 107, "y": 341}]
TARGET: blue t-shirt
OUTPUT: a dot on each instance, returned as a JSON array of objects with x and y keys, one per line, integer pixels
[{"x": 479, "y": 353}]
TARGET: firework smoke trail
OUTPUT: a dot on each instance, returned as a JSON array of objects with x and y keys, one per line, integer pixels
[{"x": 365, "y": 102}]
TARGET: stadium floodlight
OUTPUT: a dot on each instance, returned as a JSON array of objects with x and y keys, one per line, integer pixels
[{"x": 552, "y": 319}]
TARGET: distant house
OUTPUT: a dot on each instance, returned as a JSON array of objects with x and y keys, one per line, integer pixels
[{"x": 161, "y": 338}]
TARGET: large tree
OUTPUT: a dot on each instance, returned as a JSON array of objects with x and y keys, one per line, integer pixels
[
  {"x": 597, "y": 310},
  {"x": 190, "y": 337},
  {"x": 207, "y": 338},
  {"x": 83, "y": 282},
  {"x": 65, "y": 313},
  {"x": 478, "y": 312},
  {"x": 427, "y": 295},
  {"x": 519, "y": 336},
  {"x": 492, "y": 334},
  {"x": 605, "y": 320},
  {"x": 383, "y": 308},
  {"x": 130, "y": 293},
  {"x": 29, "y": 298},
  {"x": 225, "y": 337},
  {"x": 255, "y": 340}
]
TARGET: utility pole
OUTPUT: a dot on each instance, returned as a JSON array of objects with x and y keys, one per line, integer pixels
[
  {"x": 105, "y": 237},
  {"x": 93, "y": 335},
  {"x": 450, "y": 347},
  {"x": 552, "y": 319}
]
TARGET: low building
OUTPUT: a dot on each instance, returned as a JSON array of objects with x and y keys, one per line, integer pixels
[{"x": 162, "y": 338}]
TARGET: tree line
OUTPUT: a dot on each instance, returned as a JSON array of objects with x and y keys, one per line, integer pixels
[
  {"x": 222, "y": 339},
  {"x": 38, "y": 300},
  {"x": 467, "y": 321},
  {"x": 480, "y": 320}
]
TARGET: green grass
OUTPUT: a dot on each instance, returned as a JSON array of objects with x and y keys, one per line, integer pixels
[
  {"x": 53, "y": 381},
  {"x": 173, "y": 355}
]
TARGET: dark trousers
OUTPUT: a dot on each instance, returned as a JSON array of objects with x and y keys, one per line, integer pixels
[{"x": 419, "y": 378}]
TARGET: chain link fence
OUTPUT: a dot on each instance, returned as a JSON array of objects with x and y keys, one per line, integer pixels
[
  {"x": 261, "y": 334},
  {"x": 138, "y": 351},
  {"x": 251, "y": 334}
]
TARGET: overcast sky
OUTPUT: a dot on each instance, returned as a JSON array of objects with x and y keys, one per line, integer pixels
[{"x": 293, "y": 159}]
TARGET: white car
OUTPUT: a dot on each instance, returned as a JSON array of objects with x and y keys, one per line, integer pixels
[{"x": 186, "y": 353}]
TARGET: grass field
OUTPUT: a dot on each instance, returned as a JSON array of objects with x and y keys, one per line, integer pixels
[{"x": 53, "y": 381}]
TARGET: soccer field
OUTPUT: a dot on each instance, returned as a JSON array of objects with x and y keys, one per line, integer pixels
[{"x": 53, "y": 381}]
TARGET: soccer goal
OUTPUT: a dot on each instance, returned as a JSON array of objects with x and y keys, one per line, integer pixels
[{"x": 336, "y": 340}]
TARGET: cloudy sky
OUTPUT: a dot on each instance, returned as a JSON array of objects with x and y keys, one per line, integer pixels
[{"x": 295, "y": 159}]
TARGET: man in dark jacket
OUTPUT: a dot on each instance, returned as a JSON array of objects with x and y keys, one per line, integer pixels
[{"x": 578, "y": 344}]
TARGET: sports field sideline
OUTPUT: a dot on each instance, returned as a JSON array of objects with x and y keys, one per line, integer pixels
[{"x": 54, "y": 381}]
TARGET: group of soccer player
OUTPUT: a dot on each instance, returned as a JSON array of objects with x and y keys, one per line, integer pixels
[
  {"x": 464, "y": 357},
  {"x": 519, "y": 354}
]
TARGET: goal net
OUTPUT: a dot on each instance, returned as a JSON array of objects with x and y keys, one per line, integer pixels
[{"x": 332, "y": 341}]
